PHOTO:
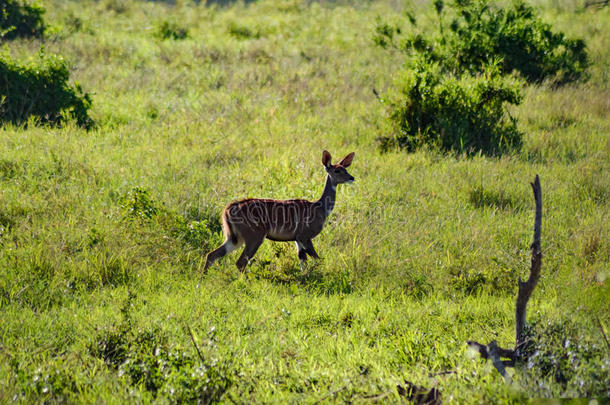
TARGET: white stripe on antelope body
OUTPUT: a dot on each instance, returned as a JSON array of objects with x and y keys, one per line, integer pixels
[{"x": 252, "y": 220}]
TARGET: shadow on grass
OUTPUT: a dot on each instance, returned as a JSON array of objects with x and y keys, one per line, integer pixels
[
  {"x": 312, "y": 279},
  {"x": 480, "y": 197}
]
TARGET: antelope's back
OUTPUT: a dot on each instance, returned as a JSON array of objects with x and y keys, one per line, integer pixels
[{"x": 279, "y": 219}]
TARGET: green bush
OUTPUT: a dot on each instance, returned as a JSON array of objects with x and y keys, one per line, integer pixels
[
  {"x": 173, "y": 374},
  {"x": 171, "y": 30},
  {"x": 559, "y": 362},
  {"x": 459, "y": 113},
  {"x": 20, "y": 19},
  {"x": 523, "y": 41},
  {"x": 138, "y": 204},
  {"x": 202, "y": 233},
  {"x": 148, "y": 360},
  {"x": 197, "y": 234},
  {"x": 457, "y": 85},
  {"x": 384, "y": 33},
  {"x": 243, "y": 32},
  {"x": 55, "y": 383},
  {"x": 40, "y": 89},
  {"x": 480, "y": 33}
]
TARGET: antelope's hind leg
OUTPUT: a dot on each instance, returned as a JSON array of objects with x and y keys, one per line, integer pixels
[
  {"x": 248, "y": 253},
  {"x": 220, "y": 252}
]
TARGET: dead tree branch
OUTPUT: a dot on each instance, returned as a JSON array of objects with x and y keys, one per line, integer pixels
[
  {"x": 503, "y": 353},
  {"x": 188, "y": 328},
  {"x": 601, "y": 328},
  {"x": 526, "y": 289},
  {"x": 492, "y": 350},
  {"x": 600, "y": 3}
]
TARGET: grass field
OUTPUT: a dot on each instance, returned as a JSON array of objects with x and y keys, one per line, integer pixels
[{"x": 103, "y": 233}]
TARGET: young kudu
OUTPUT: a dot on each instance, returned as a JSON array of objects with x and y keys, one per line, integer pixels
[{"x": 252, "y": 220}]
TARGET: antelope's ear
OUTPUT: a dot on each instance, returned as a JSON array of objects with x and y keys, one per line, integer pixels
[
  {"x": 347, "y": 160},
  {"x": 326, "y": 158}
]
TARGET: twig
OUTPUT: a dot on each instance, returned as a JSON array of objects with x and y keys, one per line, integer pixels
[
  {"x": 600, "y": 3},
  {"x": 484, "y": 351},
  {"x": 188, "y": 328},
  {"x": 376, "y": 397},
  {"x": 601, "y": 327},
  {"x": 419, "y": 395},
  {"x": 481, "y": 348},
  {"x": 492, "y": 349},
  {"x": 446, "y": 372},
  {"x": 377, "y": 95},
  {"x": 333, "y": 393}
]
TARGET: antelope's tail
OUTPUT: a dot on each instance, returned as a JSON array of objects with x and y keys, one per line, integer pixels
[{"x": 228, "y": 230}]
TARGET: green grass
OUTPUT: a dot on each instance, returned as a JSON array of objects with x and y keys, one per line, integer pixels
[{"x": 421, "y": 253}]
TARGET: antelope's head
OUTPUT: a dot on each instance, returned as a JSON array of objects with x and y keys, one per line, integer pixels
[{"x": 338, "y": 173}]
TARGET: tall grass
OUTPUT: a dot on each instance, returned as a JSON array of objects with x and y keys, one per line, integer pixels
[{"x": 421, "y": 254}]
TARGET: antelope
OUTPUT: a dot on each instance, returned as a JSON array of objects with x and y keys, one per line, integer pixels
[{"x": 252, "y": 220}]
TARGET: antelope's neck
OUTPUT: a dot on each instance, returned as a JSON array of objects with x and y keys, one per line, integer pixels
[{"x": 327, "y": 201}]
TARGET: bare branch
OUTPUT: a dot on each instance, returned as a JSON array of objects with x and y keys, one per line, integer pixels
[
  {"x": 335, "y": 392},
  {"x": 492, "y": 350},
  {"x": 188, "y": 328},
  {"x": 441, "y": 373},
  {"x": 601, "y": 327},
  {"x": 502, "y": 353},
  {"x": 526, "y": 288},
  {"x": 600, "y": 3},
  {"x": 481, "y": 348},
  {"x": 419, "y": 395}
]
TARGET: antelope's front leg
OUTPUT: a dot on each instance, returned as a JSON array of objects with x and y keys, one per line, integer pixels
[{"x": 310, "y": 250}]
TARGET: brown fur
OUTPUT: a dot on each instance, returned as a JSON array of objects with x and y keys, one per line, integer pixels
[{"x": 253, "y": 220}]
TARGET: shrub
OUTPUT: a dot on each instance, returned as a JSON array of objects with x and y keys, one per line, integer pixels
[
  {"x": 523, "y": 41},
  {"x": 560, "y": 362},
  {"x": 138, "y": 203},
  {"x": 40, "y": 89},
  {"x": 384, "y": 33},
  {"x": 203, "y": 233},
  {"x": 194, "y": 233},
  {"x": 171, "y": 30},
  {"x": 460, "y": 113},
  {"x": 20, "y": 19},
  {"x": 148, "y": 360},
  {"x": 55, "y": 384},
  {"x": 480, "y": 33},
  {"x": 243, "y": 32},
  {"x": 174, "y": 374},
  {"x": 457, "y": 84}
]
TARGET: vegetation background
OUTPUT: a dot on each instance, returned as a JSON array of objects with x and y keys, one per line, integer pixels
[{"x": 103, "y": 232}]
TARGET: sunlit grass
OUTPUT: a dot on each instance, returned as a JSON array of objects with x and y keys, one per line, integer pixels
[{"x": 421, "y": 253}]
